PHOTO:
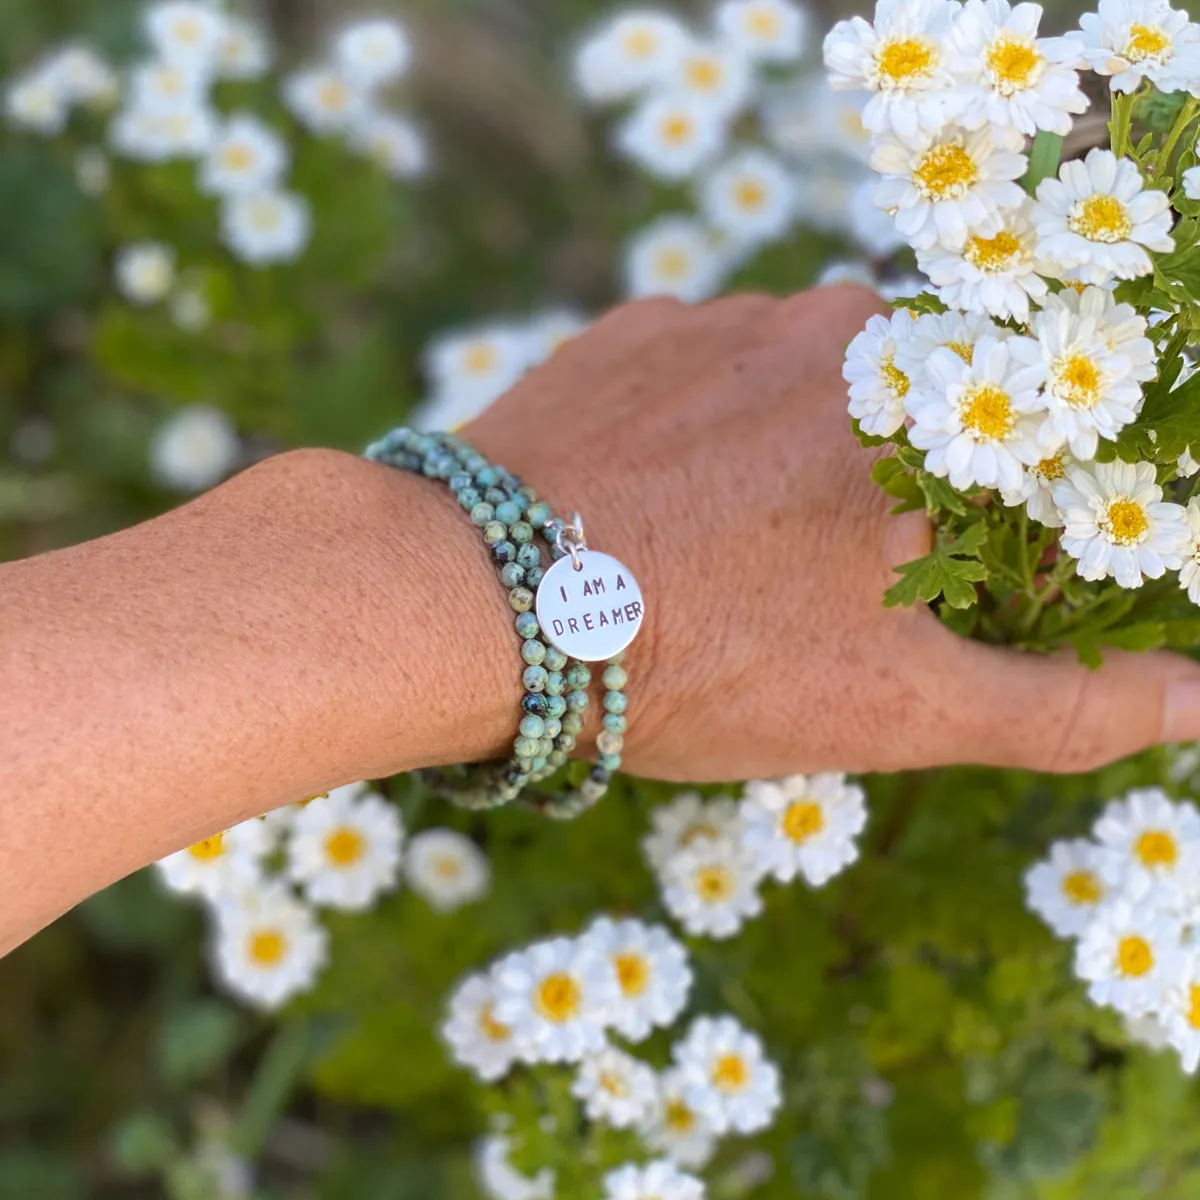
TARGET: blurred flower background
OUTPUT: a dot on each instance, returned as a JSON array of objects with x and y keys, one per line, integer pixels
[{"x": 232, "y": 231}]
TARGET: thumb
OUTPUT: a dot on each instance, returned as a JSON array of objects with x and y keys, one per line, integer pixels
[{"x": 1051, "y": 713}]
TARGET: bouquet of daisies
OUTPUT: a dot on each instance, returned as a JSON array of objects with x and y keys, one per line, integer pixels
[{"x": 1039, "y": 394}]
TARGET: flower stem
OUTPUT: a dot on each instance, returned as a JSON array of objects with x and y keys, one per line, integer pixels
[
  {"x": 1121, "y": 124},
  {"x": 1186, "y": 115}
]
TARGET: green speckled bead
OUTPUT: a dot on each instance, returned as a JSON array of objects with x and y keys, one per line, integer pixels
[
  {"x": 558, "y": 758},
  {"x": 526, "y": 747},
  {"x": 553, "y": 726},
  {"x": 555, "y": 659},
  {"x": 610, "y": 762},
  {"x": 508, "y": 512},
  {"x": 538, "y": 514},
  {"x": 572, "y": 723},
  {"x": 577, "y": 701},
  {"x": 555, "y": 706},
  {"x": 534, "y": 679},
  {"x": 578, "y": 676},
  {"x": 617, "y": 722},
  {"x": 592, "y": 790},
  {"x": 468, "y": 498},
  {"x": 486, "y": 476},
  {"x": 614, "y": 702},
  {"x": 608, "y": 742},
  {"x": 555, "y": 683},
  {"x": 615, "y": 677},
  {"x": 512, "y": 575},
  {"x": 520, "y": 532},
  {"x": 529, "y": 557},
  {"x": 527, "y": 625},
  {"x": 533, "y": 652},
  {"x": 533, "y": 727},
  {"x": 460, "y": 481},
  {"x": 496, "y": 496},
  {"x": 494, "y": 532},
  {"x": 534, "y": 576},
  {"x": 520, "y": 599},
  {"x": 539, "y": 763},
  {"x": 503, "y": 552},
  {"x": 566, "y": 741},
  {"x": 482, "y": 514}
]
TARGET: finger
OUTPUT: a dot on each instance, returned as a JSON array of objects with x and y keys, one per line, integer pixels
[{"x": 1052, "y": 713}]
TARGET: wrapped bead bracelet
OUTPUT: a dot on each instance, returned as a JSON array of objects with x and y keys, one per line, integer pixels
[{"x": 589, "y": 614}]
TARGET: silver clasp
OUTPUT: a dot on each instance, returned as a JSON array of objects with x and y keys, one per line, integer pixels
[{"x": 569, "y": 539}]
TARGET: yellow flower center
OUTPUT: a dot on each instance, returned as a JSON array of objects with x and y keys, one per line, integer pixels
[
  {"x": 987, "y": 412},
  {"x": 1100, "y": 218},
  {"x": 1156, "y": 848},
  {"x": 678, "y": 1118},
  {"x": 633, "y": 973},
  {"x": 1147, "y": 41},
  {"x": 750, "y": 195},
  {"x": 994, "y": 253},
  {"x": 1077, "y": 380},
  {"x": 1125, "y": 522},
  {"x": 266, "y": 947},
  {"x": 964, "y": 350},
  {"x": 677, "y": 129},
  {"x": 493, "y": 1030},
  {"x": 187, "y": 30},
  {"x": 238, "y": 157},
  {"x": 672, "y": 263},
  {"x": 714, "y": 884},
  {"x": 480, "y": 358},
  {"x": 945, "y": 172},
  {"x": 344, "y": 847},
  {"x": 904, "y": 60},
  {"x": 333, "y": 95},
  {"x": 265, "y": 216},
  {"x": 893, "y": 378},
  {"x": 558, "y": 997},
  {"x": 640, "y": 43},
  {"x": 1082, "y": 887},
  {"x": 704, "y": 74},
  {"x": 1134, "y": 956},
  {"x": 614, "y": 1085},
  {"x": 208, "y": 848},
  {"x": 730, "y": 1073},
  {"x": 1193, "y": 1016},
  {"x": 802, "y": 820},
  {"x": 170, "y": 82},
  {"x": 764, "y": 22},
  {"x": 1013, "y": 63},
  {"x": 1051, "y": 468},
  {"x": 446, "y": 866}
]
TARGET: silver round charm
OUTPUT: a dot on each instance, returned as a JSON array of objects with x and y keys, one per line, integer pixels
[{"x": 592, "y": 611}]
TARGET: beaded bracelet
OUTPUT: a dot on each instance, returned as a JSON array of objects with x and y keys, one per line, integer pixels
[{"x": 555, "y": 703}]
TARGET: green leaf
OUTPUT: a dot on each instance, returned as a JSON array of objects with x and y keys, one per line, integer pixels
[
  {"x": 196, "y": 1040},
  {"x": 867, "y": 439},
  {"x": 923, "y": 302},
  {"x": 142, "y": 1143},
  {"x": 897, "y": 481},
  {"x": 1043, "y": 160},
  {"x": 950, "y": 571}
]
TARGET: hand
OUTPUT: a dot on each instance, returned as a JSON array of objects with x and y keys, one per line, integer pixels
[{"x": 709, "y": 448}]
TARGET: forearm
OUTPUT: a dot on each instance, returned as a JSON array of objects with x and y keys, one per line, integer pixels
[{"x": 173, "y": 679}]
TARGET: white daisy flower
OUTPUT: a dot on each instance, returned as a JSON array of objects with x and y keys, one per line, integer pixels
[
  {"x": 266, "y": 227},
  {"x": 500, "y": 1180},
  {"x": 1146, "y": 1031},
  {"x": 673, "y": 256},
  {"x": 157, "y": 86},
  {"x": 652, "y": 972},
  {"x": 476, "y": 1039},
  {"x": 684, "y": 820},
  {"x": 373, "y": 52},
  {"x": 556, "y": 996},
  {"x": 615, "y": 1088},
  {"x": 394, "y": 143},
  {"x": 93, "y": 171},
  {"x": 763, "y": 30},
  {"x": 957, "y": 331},
  {"x": 1098, "y": 219},
  {"x": 446, "y": 869},
  {"x": 751, "y": 197},
  {"x": 629, "y": 54},
  {"x": 82, "y": 75},
  {"x": 38, "y": 103},
  {"x": 1189, "y": 573},
  {"x": 1117, "y": 524},
  {"x": 676, "y": 1128},
  {"x": 658, "y": 1180},
  {"x": 996, "y": 274},
  {"x": 727, "y": 1077},
  {"x": 247, "y": 156},
  {"x": 711, "y": 888},
  {"x": 471, "y": 368},
  {"x": 243, "y": 51},
  {"x": 1126, "y": 954},
  {"x": 1191, "y": 183},
  {"x": 901, "y": 61},
  {"x": 847, "y": 271},
  {"x": 979, "y": 423},
  {"x": 809, "y": 120},
  {"x": 145, "y": 271},
  {"x": 803, "y": 825},
  {"x": 550, "y": 331},
  {"x": 715, "y": 76},
  {"x": 188, "y": 32},
  {"x": 194, "y": 449},
  {"x": 671, "y": 136},
  {"x": 1066, "y": 889},
  {"x": 1146, "y": 838},
  {"x": 1179, "y": 1010},
  {"x": 324, "y": 100},
  {"x": 345, "y": 848},
  {"x": 944, "y": 184},
  {"x": 269, "y": 947},
  {"x": 825, "y": 197},
  {"x": 1037, "y": 489},
  {"x": 163, "y": 133},
  {"x": 1091, "y": 390},
  {"x": 878, "y": 386},
  {"x": 1007, "y": 76},
  {"x": 871, "y": 227},
  {"x": 190, "y": 310},
  {"x": 1132, "y": 40},
  {"x": 218, "y": 866}
]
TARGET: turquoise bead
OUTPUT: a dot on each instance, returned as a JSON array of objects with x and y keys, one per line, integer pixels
[
  {"x": 555, "y": 659},
  {"x": 508, "y": 512},
  {"x": 482, "y": 513},
  {"x": 617, "y": 722},
  {"x": 608, "y": 742},
  {"x": 529, "y": 556},
  {"x": 533, "y": 727},
  {"x": 555, "y": 706},
  {"x": 539, "y": 763},
  {"x": 468, "y": 497},
  {"x": 487, "y": 476},
  {"x": 534, "y": 576},
  {"x": 577, "y": 701},
  {"x": 494, "y": 532},
  {"x": 538, "y": 514},
  {"x": 558, "y": 758},
  {"x": 512, "y": 575},
  {"x": 610, "y": 762},
  {"x": 534, "y": 679},
  {"x": 615, "y": 702},
  {"x": 553, "y": 726},
  {"x": 567, "y": 742},
  {"x": 578, "y": 676},
  {"x": 526, "y": 747},
  {"x": 615, "y": 678},
  {"x": 527, "y": 625},
  {"x": 555, "y": 683},
  {"x": 521, "y": 599},
  {"x": 592, "y": 790},
  {"x": 520, "y": 532},
  {"x": 533, "y": 651},
  {"x": 572, "y": 723}
]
